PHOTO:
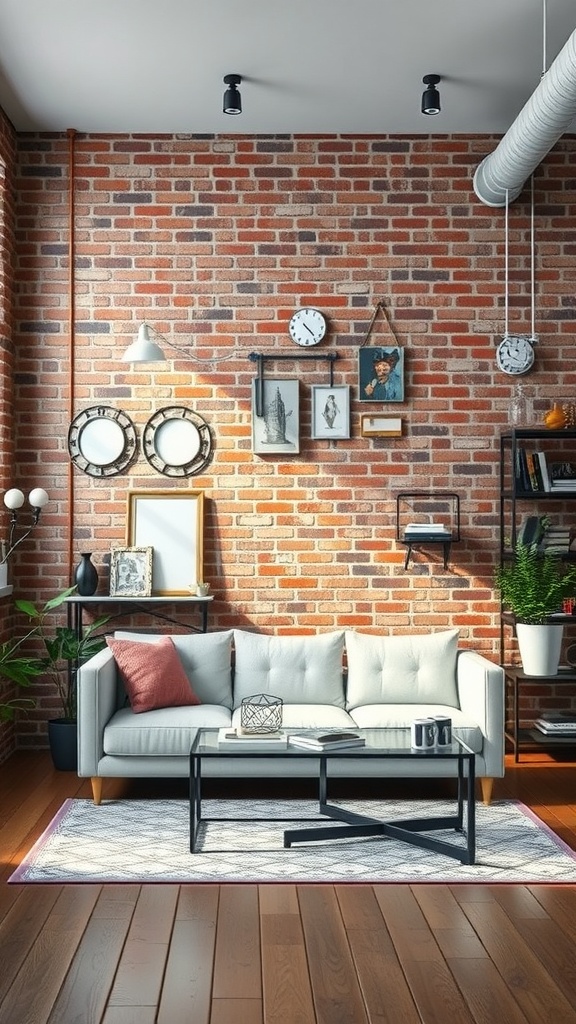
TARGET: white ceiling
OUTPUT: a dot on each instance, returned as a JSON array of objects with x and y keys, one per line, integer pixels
[{"x": 308, "y": 66}]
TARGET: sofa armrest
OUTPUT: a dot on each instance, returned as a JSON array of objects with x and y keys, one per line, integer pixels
[
  {"x": 481, "y": 691},
  {"x": 98, "y": 699}
]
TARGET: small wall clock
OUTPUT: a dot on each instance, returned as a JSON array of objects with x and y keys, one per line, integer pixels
[
  {"x": 102, "y": 441},
  {"x": 515, "y": 355},
  {"x": 177, "y": 441},
  {"x": 307, "y": 326}
]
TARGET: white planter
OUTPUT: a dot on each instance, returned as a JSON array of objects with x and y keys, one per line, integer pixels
[{"x": 540, "y": 648}]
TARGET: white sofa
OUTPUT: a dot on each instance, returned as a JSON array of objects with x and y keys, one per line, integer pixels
[{"x": 339, "y": 679}]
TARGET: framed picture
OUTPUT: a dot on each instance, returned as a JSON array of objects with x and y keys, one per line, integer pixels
[
  {"x": 381, "y": 374},
  {"x": 277, "y": 430},
  {"x": 330, "y": 411},
  {"x": 131, "y": 572},
  {"x": 172, "y": 523},
  {"x": 372, "y": 425}
]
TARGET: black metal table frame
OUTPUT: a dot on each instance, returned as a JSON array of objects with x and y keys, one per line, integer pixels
[{"x": 408, "y": 830}]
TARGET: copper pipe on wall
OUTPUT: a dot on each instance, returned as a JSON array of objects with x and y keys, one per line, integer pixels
[{"x": 71, "y": 133}]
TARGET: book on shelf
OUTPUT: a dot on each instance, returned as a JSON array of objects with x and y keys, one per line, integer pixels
[
  {"x": 427, "y": 531},
  {"x": 554, "y": 723},
  {"x": 562, "y": 476},
  {"x": 555, "y": 730},
  {"x": 544, "y": 470},
  {"x": 237, "y": 739},
  {"x": 427, "y": 528},
  {"x": 326, "y": 740},
  {"x": 534, "y": 475}
]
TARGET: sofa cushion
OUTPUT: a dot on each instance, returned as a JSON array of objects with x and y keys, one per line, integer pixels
[
  {"x": 166, "y": 732},
  {"x": 152, "y": 674},
  {"x": 402, "y": 669},
  {"x": 299, "y": 669},
  {"x": 206, "y": 658}
]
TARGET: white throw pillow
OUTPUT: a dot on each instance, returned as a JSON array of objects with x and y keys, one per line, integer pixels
[
  {"x": 206, "y": 659},
  {"x": 299, "y": 669},
  {"x": 402, "y": 669}
]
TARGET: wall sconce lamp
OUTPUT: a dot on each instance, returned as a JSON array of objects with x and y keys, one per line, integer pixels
[
  {"x": 147, "y": 350},
  {"x": 431, "y": 96},
  {"x": 232, "y": 99},
  {"x": 14, "y": 500},
  {"x": 144, "y": 349}
]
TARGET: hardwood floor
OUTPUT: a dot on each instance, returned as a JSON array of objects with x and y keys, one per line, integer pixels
[{"x": 289, "y": 954}]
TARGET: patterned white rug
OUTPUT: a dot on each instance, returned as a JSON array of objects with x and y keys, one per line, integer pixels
[{"x": 148, "y": 841}]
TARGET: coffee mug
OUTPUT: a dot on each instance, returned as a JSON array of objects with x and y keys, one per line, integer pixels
[
  {"x": 443, "y": 730},
  {"x": 423, "y": 734}
]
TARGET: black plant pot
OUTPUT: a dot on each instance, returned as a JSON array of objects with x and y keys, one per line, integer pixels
[{"x": 63, "y": 739}]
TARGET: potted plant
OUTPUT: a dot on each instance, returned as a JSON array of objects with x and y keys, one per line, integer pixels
[
  {"x": 532, "y": 586},
  {"x": 63, "y": 650},
  {"x": 21, "y": 670}
]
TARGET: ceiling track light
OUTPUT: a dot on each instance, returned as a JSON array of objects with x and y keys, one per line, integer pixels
[
  {"x": 431, "y": 96},
  {"x": 232, "y": 99}
]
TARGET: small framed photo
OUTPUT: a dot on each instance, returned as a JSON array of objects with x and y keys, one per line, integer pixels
[
  {"x": 372, "y": 425},
  {"x": 275, "y": 417},
  {"x": 381, "y": 374},
  {"x": 330, "y": 412},
  {"x": 131, "y": 572}
]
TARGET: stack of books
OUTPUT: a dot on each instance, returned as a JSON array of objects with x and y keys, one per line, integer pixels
[
  {"x": 557, "y": 723},
  {"x": 427, "y": 531},
  {"x": 235, "y": 739},
  {"x": 326, "y": 740},
  {"x": 563, "y": 476},
  {"x": 556, "y": 541}
]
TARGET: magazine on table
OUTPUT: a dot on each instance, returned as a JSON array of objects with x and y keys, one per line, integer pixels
[{"x": 323, "y": 740}]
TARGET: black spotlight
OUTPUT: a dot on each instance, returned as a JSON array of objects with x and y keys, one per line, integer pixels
[
  {"x": 232, "y": 98},
  {"x": 431, "y": 96}
]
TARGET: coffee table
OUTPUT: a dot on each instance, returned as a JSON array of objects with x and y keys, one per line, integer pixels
[{"x": 383, "y": 744}]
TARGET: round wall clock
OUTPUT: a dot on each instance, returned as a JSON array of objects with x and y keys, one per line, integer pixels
[
  {"x": 515, "y": 355},
  {"x": 307, "y": 326},
  {"x": 102, "y": 441},
  {"x": 177, "y": 441}
]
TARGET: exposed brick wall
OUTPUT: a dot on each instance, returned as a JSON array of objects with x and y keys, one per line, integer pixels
[
  {"x": 7, "y": 158},
  {"x": 215, "y": 241}
]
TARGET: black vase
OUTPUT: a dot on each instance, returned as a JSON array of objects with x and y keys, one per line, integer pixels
[{"x": 85, "y": 575}]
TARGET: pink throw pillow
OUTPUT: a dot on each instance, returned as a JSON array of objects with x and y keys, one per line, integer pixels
[{"x": 152, "y": 674}]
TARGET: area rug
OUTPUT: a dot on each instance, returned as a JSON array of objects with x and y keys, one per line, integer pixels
[{"x": 148, "y": 841}]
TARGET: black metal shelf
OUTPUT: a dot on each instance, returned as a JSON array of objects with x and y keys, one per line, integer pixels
[{"x": 449, "y": 504}]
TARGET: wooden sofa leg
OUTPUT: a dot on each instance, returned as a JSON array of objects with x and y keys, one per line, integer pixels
[
  {"x": 97, "y": 784},
  {"x": 486, "y": 786}
]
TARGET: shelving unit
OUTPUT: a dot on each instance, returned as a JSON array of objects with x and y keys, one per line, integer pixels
[
  {"x": 532, "y": 739},
  {"x": 515, "y": 504}
]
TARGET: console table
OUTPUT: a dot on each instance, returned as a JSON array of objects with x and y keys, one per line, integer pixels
[{"x": 119, "y": 607}]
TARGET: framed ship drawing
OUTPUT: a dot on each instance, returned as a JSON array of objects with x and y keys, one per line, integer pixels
[{"x": 277, "y": 430}]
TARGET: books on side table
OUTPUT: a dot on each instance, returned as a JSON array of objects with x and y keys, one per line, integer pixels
[
  {"x": 326, "y": 740},
  {"x": 415, "y": 532},
  {"x": 557, "y": 724}
]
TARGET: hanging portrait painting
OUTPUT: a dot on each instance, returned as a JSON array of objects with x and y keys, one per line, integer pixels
[{"x": 381, "y": 374}]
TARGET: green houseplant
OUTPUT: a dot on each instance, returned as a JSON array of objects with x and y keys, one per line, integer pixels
[
  {"x": 20, "y": 669},
  {"x": 63, "y": 651},
  {"x": 532, "y": 587}
]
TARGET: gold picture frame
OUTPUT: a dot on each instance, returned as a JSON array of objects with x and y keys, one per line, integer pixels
[
  {"x": 172, "y": 523},
  {"x": 373, "y": 425}
]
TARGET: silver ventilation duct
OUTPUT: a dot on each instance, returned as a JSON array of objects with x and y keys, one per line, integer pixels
[{"x": 541, "y": 122}]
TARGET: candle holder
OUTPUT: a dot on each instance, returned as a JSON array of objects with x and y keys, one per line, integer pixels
[{"x": 261, "y": 713}]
